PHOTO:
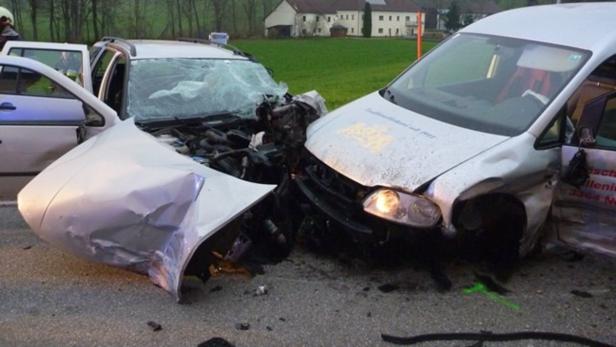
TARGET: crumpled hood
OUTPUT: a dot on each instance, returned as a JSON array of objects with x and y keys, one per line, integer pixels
[
  {"x": 377, "y": 143},
  {"x": 124, "y": 199}
]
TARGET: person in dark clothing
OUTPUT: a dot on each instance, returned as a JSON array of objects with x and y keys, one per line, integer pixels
[{"x": 7, "y": 31}]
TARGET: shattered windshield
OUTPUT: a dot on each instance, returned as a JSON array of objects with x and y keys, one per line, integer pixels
[
  {"x": 490, "y": 84},
  {"x": 161, "y": 89}
]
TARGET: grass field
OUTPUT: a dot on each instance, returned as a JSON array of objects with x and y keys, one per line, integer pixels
[{"x": 340, "y": 69}]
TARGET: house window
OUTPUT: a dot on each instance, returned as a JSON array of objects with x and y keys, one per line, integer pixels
[
  {"x": 329, "y": 19},
  {"x": 352, "y": 30},
  {"x": 398, "y": 18},
  {"x": 347, "y": 17},
  {"x": 380, "y": 17},
  {"x": 397, "y": 31},
  {"x": 317, "y": 18},
  {"x": 390, "y": 18},
  {"x": 352, "y": 17},
  {"x": 380, "y": 30},
  {"x": 304, "y": 18},
  {"x": 408, "y": 18},
  {"x": 319, "y": 30}
]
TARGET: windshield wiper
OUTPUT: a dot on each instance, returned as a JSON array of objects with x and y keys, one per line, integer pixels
[
  {"x": 391, "y": 97},
  {"x": 213, "y": 117}
]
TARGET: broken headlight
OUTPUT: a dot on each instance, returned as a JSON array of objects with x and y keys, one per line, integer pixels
[{"x": 403, "y": 208}]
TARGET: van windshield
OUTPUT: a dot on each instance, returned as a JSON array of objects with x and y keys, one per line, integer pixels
[{"x": 490, "y": 84}]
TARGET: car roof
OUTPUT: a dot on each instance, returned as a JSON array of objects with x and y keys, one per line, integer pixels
[
  {"x": 588, "y": 26},
  {"x": 152, "y": 49},
  {"x": 46, "y": 45}
]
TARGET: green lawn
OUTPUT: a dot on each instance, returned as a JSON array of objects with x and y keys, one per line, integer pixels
[{"x": 340, "y": 69}]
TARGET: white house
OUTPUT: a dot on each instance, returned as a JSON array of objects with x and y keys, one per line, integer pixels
[{"x": 297, "y": 18}]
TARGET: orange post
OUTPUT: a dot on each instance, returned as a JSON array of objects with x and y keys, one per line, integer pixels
[{"x": 419, "y": 34}]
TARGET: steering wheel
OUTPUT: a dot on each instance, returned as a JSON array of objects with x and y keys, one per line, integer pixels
[{"x": 542, "y": 99}]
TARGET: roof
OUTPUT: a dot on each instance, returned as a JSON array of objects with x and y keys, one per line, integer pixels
[
  {"x": 379, "y": 5},
  {"x": 584, "y": 25},
  {"x": 312, "y": 6},
  {"x": 332, "y": 6},
  {"x": 150, "y": 49}
]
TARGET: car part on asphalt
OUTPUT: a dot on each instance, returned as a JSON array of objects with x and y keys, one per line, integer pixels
[
  {"x": 216, "y": 342},
  {"x": 486, "y": 336},
  {"x": 155, "y": 326}
]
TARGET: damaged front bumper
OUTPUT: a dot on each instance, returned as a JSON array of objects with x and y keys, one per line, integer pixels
[
  {"x": 124, "y": 199},
  {"x": 338, "y": 199}
]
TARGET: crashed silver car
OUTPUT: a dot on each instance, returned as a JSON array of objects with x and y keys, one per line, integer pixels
[
  {"x": 501, "y": 128},
  {"x": 206, "y": 148}
]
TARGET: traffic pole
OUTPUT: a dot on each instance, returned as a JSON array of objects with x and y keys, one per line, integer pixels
[{"x": 419, "y": 34}]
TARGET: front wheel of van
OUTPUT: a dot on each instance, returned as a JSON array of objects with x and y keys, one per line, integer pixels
[{"x": 501, "y": 243}]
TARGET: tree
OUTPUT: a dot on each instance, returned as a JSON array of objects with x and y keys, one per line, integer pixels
[
  {"x": 468, "y": 20},
  {"x": 366, "y": 30},
  {"x": 452, "y": 20},
  {"x": 33, "y": 14},
  {"x": 250, "y": 7}
]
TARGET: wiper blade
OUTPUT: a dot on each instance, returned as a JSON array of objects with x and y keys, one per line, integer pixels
[{"x": 391, "y": 97}]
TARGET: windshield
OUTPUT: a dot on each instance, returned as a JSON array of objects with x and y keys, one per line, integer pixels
[
  {"x": 163, "y": 89},
  {"x": 490, "y": 84}
]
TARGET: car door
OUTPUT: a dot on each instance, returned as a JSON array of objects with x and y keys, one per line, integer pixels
[
  {"x": 42, "y": 116},
  {"x": 585, "y": 211},
  {"x": 72, "y": 60}
]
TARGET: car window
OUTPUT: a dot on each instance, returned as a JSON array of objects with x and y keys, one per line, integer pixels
[
  {"x": 67, "y": 62},
  {"x": 31, "y": 83},
  {"x": 606, "y": 134},
  {"x": 553, "y": 135},
  {"x": 99, "y": 69},
  {"x": 8, "y": 79}
]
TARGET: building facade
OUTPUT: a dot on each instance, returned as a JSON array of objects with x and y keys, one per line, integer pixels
[{"x": 306, "y": 18}]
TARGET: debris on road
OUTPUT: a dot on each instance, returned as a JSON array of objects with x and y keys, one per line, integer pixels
[
  {"x": 216, "y": 342},
  {"x": 27, "y": 247},
  {"x": 488, "y": 336},
  {"x": 155, "y": 326},
  {"x": 216, "y": 289},
  {"x": 261, "y": 290},
  {"x": 479, "y": 287},
  {"x": 242, "y": 326},
  {"x": 491, "y": 284},
  {"x": 581, "y": 294},
  {"x": 389, "y": 287}
]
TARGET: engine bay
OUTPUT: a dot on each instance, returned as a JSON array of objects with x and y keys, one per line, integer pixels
[{"x": 266, "y": 149}]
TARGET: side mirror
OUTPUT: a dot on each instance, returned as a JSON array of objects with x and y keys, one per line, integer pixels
[{"x": 587, "y": 138}]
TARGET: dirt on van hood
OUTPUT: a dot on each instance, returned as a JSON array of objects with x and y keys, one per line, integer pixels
[{"x": 377, "y": 143}]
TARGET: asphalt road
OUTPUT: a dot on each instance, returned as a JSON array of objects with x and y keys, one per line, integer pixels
[{"x": 49, "y": 298}]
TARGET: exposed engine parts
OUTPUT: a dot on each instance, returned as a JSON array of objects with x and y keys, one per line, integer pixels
[
  {"x": 265, "y": 149},
  {"x": 259, "y": 150}
]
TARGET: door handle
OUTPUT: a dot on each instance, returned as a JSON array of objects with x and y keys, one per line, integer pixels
[{"x": 7, "y": 106}]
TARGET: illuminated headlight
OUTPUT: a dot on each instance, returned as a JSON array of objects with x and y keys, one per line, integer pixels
[{"x": 403, "y": 208}]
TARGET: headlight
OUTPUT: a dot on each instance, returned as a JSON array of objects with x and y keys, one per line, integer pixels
[{"x": 403, "y": 208}]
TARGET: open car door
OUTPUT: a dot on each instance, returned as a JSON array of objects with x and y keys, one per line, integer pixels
[
  {"x": 43, "y": 115},
  {"x": 72, "y": 60},
  {"x": 585, "y": 206}
]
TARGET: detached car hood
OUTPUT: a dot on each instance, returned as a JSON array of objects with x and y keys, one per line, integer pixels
[
  {"x": 377, "y": 143},
  {"x": 125, "y": 199}
]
